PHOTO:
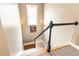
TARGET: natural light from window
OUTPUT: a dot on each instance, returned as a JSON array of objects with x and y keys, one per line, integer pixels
[{"x": 31, "y": 14}]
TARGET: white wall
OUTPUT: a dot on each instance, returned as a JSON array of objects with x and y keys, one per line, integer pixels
[
  {"x": 61, "y": 13},
  {"x": 4, "y": 51},
  {"x": 9, "y": 14},
  {"x": 27, "y": 35}
]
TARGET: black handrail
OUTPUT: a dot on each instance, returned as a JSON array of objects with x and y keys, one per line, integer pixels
[
  {"x": 42, "y": 32},
  {"x": 61, "y": 24},
  {"x": 50, "y": 27}
]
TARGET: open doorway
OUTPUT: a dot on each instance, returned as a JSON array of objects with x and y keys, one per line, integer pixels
[{"x": 31, "y": 16}]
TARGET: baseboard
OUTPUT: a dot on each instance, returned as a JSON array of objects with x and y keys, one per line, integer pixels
[
  {"x": 59, "y": 47},
  {"x": 77, "y": 47}
]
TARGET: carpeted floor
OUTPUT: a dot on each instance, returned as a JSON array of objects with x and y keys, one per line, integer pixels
[{"x": 65, "y": 51}]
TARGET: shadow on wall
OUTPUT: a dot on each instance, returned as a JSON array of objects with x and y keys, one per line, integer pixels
[
  {"x": 4, "y": 51},
  {"x": 76, "y": 39},
  {"x": 13, "y": 35}
]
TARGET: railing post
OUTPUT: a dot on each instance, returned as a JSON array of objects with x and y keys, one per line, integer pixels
[
  {"x": 50, "y": 31},
  {"x": 49, "y": 41}
]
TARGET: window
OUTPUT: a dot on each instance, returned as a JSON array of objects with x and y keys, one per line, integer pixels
[{"x": 32, "y": 14}]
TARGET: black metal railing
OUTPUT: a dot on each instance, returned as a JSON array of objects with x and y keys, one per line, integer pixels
[{"x": 50, "y": 26}]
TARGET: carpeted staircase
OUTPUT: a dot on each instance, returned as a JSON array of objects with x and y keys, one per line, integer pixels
[{"x": 64, "y": 51}]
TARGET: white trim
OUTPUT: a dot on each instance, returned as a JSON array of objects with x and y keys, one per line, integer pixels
[
  {"x": 74, "y": 45},
  {"x": 28, "y": 43}
]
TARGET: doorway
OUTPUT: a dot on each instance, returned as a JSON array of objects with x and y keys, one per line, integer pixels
[{"x": 31, "y": 17}]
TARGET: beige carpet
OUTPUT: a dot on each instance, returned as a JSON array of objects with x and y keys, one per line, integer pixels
[{"x": 65, "y": 51}]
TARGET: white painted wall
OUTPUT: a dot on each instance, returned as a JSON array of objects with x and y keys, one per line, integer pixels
[
  {"x": 27, "y": 35},
  {"x": 61, "y": 13},
  {"x": 4, "y": 51},
  {"x": 9, "y": 14}
]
